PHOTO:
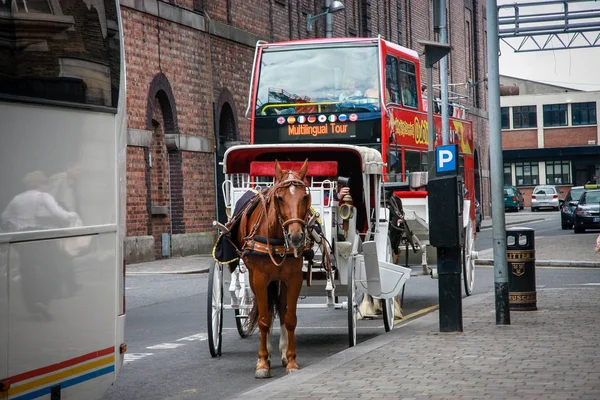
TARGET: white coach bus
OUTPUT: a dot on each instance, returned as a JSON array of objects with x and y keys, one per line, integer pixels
[{"x": 62, "y": 198}]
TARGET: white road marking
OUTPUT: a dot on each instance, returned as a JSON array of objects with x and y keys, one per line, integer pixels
[
  {"x": 193, "y": 338},
  {"x": 129, "y": 357},
  {"x": 165, "y": 346},
  {"x": 585, "y": 284}
]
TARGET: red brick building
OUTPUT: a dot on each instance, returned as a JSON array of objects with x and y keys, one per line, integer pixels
[
  {"x": 550, "y": 135},
  {"x": 188, "y": 70}
]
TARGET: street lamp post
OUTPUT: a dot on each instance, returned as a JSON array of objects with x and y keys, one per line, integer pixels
[{"x": 330, "y": 8}]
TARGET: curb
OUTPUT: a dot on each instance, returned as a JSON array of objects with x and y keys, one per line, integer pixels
[
  {"x": 180, "y": 272},
  {"x": 549, "y": 263},
  {"x": 525, "y": 221}
]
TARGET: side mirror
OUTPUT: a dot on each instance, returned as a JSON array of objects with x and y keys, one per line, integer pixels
[{"x": 573, "y": 203}]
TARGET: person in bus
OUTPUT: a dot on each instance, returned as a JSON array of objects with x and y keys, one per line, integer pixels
[
  {"x": 409, "y": 99},
  {"x": 350, "y": 90},
  {"x": 373, "y": 91}
]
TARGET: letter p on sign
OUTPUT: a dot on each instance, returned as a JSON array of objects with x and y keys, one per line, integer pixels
[{"x": 446, "y": 157}]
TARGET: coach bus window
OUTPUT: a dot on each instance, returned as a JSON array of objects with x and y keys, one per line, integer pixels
[
  {"x": 391, "y": 80},
  {"x": 408, "y": 84},
  {"x": 306, "y": 81},
  {"x": 73, "y": 57}
]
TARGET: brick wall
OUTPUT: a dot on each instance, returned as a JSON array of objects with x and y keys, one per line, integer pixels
[
  {"x": 197, "y": 68},
  {"x": 575, "y": 136},
  {"x": 137, "y": 192},
  {"x": 520, "y": 139},
  {"x": 199, "y": 191}
]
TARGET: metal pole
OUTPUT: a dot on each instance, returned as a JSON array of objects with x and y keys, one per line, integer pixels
[
  {"x": 444, "y": 76},
  {"x": 430, "y": 125},
  {"x": 498, "y": 227},
  {"x": 328, "y": 20}
]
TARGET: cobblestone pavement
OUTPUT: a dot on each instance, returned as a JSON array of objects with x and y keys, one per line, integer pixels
[{"x": 551, "y": 353}]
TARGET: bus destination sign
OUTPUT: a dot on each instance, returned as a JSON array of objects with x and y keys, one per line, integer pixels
[{"x": 322, "y": 131}]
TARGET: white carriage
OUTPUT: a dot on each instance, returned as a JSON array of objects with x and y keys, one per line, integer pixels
[
  {"x": 415, "y": 203},
  {"x": 355, "y": 239}
]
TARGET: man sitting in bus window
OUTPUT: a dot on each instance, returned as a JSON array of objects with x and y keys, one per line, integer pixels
[{"x": 409, "y": 98}]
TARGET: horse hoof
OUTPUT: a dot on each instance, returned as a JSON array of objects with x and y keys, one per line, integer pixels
[
  {"x": 284, "y": 362},
  {"x": 291, "y": 370},
  {"x": 262, "y": 373}
]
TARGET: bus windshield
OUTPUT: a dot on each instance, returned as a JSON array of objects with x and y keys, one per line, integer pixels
[{"x": 304, "y": 81}]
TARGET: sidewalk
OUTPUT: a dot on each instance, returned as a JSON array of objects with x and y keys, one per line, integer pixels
[
  {"x": 551, "y": 353},
  {"x": 178, "y": 265},
  {"x": 568, "y": 251}
]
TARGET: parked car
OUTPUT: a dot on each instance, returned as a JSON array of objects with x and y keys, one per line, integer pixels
[
  {"x": 567, "y": 211},
  {"x": 478, "y": 216},
  {"x": 587, "y": 211},
  {"x": 513, "y": 199},
  {"x": 545, "y": 196}
]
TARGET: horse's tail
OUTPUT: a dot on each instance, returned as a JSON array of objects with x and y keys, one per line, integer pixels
[{"x": 273, "y": 299}]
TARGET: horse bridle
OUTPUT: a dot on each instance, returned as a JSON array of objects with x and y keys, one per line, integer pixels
[{"x": 284, "y": 224}]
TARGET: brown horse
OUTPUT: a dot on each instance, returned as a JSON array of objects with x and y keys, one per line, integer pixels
[{"x": 273, "y": 238}]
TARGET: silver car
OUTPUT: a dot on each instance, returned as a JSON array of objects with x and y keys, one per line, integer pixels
[{"x": 545, "y": 196}]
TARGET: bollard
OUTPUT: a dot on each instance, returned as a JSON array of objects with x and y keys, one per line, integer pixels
[{"x": 520, "y": 257}]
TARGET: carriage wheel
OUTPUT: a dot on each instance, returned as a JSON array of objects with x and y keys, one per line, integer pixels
[
  {"x": 468, "y": 260},
  {"x": 387, "y": 305},
  {"x": 352, "y": 308},
  {"x": 241, "y": 315},
  {"x": 215, "y": 309}
]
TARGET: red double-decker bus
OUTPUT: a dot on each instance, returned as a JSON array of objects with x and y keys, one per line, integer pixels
[{"x": 362, "y": 91}]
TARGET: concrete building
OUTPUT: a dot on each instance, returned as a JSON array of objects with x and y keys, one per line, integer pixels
[
  {"x": 188, "y": 71},
  {"x": 550, "y": 135}
]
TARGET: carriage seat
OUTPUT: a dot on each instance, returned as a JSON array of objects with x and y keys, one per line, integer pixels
[{"x": 315, "y": 168}]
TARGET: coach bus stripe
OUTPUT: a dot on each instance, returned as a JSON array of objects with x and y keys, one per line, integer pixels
[
  {"x": 61, "y": 375},
  {"x": 61, "y": 365},
  {"x": 66, "y": 384}
]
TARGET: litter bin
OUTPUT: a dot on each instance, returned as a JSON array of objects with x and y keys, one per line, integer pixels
[{"x": 520, "y": 257}]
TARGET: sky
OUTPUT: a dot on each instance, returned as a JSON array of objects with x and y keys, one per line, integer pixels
[{"x": 575, "y": 68}]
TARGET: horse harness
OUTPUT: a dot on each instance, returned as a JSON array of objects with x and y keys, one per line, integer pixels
[{"x": 259, "y": 245}]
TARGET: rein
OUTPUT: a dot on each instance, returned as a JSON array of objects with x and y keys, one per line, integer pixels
[{"x": 249, "y": 241}]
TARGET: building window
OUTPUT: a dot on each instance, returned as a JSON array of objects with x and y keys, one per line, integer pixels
[
  {"x": 507, "y": 174},
  {"x": 583, "y": 113},
  {"x": 524, "y": 117},
  {"x": 527, "y": 173},
  {"x": 504, "y": 118},
  {"x": 557, "y": 172},
  {"x": 555, "y": 115}
]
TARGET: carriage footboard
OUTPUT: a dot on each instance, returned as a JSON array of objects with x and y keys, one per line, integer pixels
[{"x": 380, "y": 279}]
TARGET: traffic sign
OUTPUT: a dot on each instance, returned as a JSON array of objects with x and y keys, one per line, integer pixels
[{"x": 446, "y": 159}]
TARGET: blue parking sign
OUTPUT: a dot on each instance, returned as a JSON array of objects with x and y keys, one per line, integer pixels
[{"x": 446, "y": 159}]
